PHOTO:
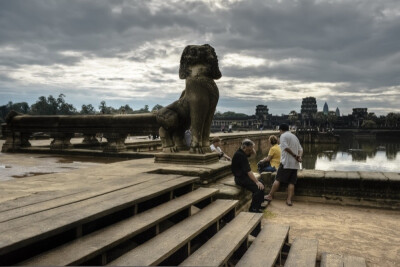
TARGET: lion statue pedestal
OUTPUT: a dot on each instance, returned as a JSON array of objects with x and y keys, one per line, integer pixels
[
  {"x": 186, "y": 158},
  {"x": 194, "y": 109}
]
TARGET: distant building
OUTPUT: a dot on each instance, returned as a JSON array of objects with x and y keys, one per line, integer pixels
[
  {"x": 308, "y": 110},
  {"x": 246, "y": 122},
  {"x": 337, "y": 112},
  {"x": 238, "y": 122},
  {"x": 359, "y": 115},
  {"x": 262, "y": 116},
  {"x": 326, "y": 109},
  {"x": 309, "y": 117}
]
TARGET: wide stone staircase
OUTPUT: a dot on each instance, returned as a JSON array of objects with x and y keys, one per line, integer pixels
[{"x": 151, "y": 220}]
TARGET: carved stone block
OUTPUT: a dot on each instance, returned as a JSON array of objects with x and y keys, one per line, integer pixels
[
  {"x": 115, "y": 142},
  {"x": 61, "y": 141},
  {"x": 90, "y": 139},
  {"x": 186, "y": 158}
]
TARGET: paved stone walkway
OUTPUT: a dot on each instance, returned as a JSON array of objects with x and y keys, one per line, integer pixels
[{"x": 370, "y": 233}]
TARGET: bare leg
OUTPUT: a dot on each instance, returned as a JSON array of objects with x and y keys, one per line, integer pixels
[
  {"x": 290, "y": 193},
  {"x": 274, "y": 188}
]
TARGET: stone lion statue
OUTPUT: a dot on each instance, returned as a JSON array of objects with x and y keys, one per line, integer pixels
[{"x": 195, "y": 108}]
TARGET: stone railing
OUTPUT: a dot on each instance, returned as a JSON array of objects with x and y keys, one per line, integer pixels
[
  {"x": 115, "y": 128},
  {"x": 374, "y": 189}
]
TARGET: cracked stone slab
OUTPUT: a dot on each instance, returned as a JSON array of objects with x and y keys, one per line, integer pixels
[
  {"x": 335, "y": 175},
  {"x": 392, "y": 176},
  {"x": 373, "y": 176},
  {"x": 311, "y": 174}
]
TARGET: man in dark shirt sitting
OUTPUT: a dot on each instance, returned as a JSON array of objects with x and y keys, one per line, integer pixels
[{"x": 244, "y": 177}]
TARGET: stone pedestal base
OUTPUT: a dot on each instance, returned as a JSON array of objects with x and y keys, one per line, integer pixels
[
  {"x": 61, "y": 141},
  {"x": 115, "y": 142},
  {"x": 90, "y": 139},
  {"x": 14, "y": 141},
  {"x": 186, "y": 158}
]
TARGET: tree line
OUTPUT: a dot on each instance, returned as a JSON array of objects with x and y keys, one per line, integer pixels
[{"x": 58, "y": 106}]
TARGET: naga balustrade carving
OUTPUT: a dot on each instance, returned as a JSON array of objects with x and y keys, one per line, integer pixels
[{"x": 115, "y": 128}]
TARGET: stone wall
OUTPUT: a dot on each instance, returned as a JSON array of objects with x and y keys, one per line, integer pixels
[
  {"x": 373, "y": 189},
  {"x": 231, "y": 142}
]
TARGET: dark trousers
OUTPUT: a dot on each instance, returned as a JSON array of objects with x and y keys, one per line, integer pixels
[{"x": 258, "y": 195}]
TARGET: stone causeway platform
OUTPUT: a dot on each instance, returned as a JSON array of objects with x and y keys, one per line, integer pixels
[{"x": 139, "y": 213}]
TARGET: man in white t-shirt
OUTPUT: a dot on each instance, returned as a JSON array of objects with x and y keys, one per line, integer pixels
[{"x": 291, "y": 153}]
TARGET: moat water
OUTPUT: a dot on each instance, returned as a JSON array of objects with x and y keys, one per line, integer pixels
[{"x": 351, "y": 154}]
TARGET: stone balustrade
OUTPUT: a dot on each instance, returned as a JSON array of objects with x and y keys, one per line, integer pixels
[
  {"x": 376, "y": 189},
  {"x": 115, "y": 128}
]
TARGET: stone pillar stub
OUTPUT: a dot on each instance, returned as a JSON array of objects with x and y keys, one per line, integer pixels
[
  {"x": 115, "y": 142},
  {"x": 14, "y": 140},
  {"x": 61, "y": 141},
  {"x": 90, "y": 139}
]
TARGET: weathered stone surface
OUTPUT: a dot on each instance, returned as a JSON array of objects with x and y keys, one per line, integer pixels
[
  {"x": 266, "y": 177},
  {"x": 373, "y": 176},
  {"x": 61, "y": 141},
  {"x": 207, "y": 173},
  {"x": 115, "y": 142},
  {"x": 230, "y": 180},
  {"x": 364, "y": 188},
  {"x": 311, "y": 173},
  {"x": 116, "y": 127},
  {"x": 353, "y": 175},
  {"x": 228, "y": 192},
  {"x": 186, "y": 158},
  {"x": 335, "y": 175},
  {"x": 392, "y": 176},
  {"x": 195, "y": 108}
]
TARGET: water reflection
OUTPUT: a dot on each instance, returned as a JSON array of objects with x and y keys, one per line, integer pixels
[{"x": 351, "y": 154}]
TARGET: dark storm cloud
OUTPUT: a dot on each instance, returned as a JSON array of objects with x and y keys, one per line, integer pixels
[
  {"x": 90, "y": 27},
  {"x": 342, "y": 41},
  {"x": 354, "y": 45}
]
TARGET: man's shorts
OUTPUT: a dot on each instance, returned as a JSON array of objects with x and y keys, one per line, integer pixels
[{"x": 288, "y": 176}]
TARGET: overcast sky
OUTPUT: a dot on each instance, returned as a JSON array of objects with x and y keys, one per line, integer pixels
[{"x": 343, "y": 52}]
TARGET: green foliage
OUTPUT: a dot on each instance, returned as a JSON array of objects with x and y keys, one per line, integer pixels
[
  {"x": 104, "y": 109},
  {"x": 52, "y": 106},
  {"x": 393, "y": 119},
  {"x": 371, "y": 116},
  {"x": 368, "y": 124},
  {"x": 87, "y": 110},
  {"x": 142, "y": 110},
  {"x": 156, "y": 107},
  {"x": 125, "y": 109},
  {"x": 21, "y": 107}
]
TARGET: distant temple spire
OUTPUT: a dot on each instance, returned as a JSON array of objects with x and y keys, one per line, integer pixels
[
  {"x": 326, "y": 109},
  {"x": 337, "y": 112}
]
